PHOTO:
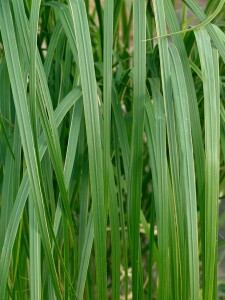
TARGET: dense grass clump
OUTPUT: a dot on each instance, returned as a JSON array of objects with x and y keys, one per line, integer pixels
[{"x": 112, "y": 146}]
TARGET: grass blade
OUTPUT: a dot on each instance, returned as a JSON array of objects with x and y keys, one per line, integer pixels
[
  {"x": 135, "y": 180},
  {"x": 160, "y": 179},
  {"x": 210, "y": 77},
  {"x": 35, "y": 239},
  {"x": 35, "y": 254},
  {"x": 187, "y": 168},
  {"x": 107, "y": 89},
  {"x": 91, "y": 112}
]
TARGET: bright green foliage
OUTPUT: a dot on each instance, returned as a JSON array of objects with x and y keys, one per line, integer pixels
[{"x": 112, "y": 149}]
